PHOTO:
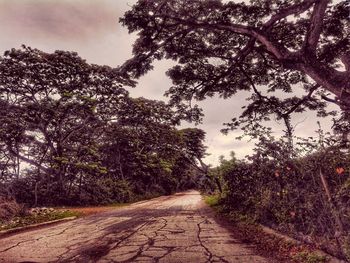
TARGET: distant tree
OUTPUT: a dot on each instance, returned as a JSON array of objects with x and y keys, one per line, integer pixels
[
  {"x": 145, "y": 147},
  {"x": 270, "y": 48},
  {"x": 193, "y": 144},
  {"x": 141, "y": 139}
]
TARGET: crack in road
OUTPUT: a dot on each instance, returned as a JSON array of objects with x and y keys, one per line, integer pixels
[
  {"x": 175, "y": 228},
  {"x": 31, "y": 240},
  {"x": 208, "y": 252}
]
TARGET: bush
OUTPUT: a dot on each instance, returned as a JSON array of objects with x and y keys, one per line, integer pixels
[
  {"x": 10, "y": 208},
  {"x": 104, "y": 191},
  {"x": 288, "y": 195}
]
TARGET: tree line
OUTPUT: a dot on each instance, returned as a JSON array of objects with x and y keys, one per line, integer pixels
[{"x": 71, "y": 134}]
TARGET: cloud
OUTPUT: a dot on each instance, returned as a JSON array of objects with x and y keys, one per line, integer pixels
[
  {"x": 90, "y": 28},
  {"x": 78, "y": 20}
]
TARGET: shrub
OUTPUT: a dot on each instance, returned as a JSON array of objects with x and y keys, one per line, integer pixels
[
  {"x": 10, "y": 208},
  {"x": 288, "y": 194}
]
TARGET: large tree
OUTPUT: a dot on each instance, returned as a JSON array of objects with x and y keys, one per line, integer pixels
[
  {"x": 266, "y": 46},
  {"x": 80, "y": 137},
  {"x": 53, "y": 109}
]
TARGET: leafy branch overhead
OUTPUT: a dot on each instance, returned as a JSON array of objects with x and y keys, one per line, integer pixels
[{"x": 270, "y": 48}]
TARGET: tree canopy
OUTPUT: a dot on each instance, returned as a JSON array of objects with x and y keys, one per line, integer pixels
[
  {"x": 70, "y": 133},
  {"x": 290, "y": 54}
]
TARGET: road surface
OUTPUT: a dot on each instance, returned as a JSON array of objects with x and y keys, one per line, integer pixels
[{"x": 177, "y": 228}]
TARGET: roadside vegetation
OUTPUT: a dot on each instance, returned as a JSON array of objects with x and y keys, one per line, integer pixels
[
  {"x": 36, "y": 218},
  {"x": 302, "y": 194},
  {"x": 247, "y": 230}
]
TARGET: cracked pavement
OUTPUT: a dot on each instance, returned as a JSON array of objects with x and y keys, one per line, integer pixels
[{"x": 177, "y": 228}]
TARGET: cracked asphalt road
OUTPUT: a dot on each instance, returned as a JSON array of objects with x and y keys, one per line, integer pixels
[{"x": 176, "y": 228}]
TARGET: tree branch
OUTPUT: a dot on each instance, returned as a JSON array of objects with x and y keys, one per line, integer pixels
[
  {"x": 237, "y": 59},
  {"x": 345, "y": 59},
  {"x": 27, "y": 160},
  {"x": 277, "y": 50},
  {"x": 291, "y": 10},
  {"x": 142, "y": 57},
  {"x": 256, "y": 91},
  {"x": 300, "y": 102},
  {"x": 316, "y": 25}
]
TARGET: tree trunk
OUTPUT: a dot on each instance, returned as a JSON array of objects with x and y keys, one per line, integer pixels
[
  {"x": 36, "y": 194},
  {"x": 120, "y": 165}
]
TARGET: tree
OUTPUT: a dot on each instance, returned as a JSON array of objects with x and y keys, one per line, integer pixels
[
  {"x": 54, "y": 108},
  {"x": 141, "y": 139},
  {"x": 81, "y": 138},
  {"x": 267, "y": 47},
  {"x": 144, "y": 147}
]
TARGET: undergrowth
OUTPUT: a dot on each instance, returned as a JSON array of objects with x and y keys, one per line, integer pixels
[{"x": 247, "y": 230}]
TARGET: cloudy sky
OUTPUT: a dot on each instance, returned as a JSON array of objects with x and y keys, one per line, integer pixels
[{"x": 91, "y": 28}]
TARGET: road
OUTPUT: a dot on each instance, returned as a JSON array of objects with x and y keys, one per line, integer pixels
[{"x": 176, "y": 228}]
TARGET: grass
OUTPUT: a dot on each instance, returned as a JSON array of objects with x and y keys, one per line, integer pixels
[
  {"x": 310, "y": 257},
  {"x": 247, "y": 230},
  {"x": 90, "y": 210},
  {"x": 36, "y": 219},
  {"x": 212, "y": 200},
  {"x": 58, "y": 213}
]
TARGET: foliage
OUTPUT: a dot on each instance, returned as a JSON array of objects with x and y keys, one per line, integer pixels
[
  {"x": 82, "y": 139},
  {"x": 266, "y": 244},
  {"x": 309, "y": 257},
  {"x": 287, "y": 192},
  {"x": 9, "y": 208},
  {"x": 212, "y": 200},
  {"x": 285, "y": 53}
]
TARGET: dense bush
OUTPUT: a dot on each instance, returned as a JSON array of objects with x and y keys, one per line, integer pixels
[{"x": 307, "y": 197}]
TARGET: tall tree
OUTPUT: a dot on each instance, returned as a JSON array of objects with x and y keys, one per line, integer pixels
[
  {"x": 267, "y": 47},
  {"x": 54, "y": 107},
  {"x": 81, "y": 136}
]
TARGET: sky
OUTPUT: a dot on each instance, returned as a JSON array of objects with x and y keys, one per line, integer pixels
[{"x": 91, "y": 28}]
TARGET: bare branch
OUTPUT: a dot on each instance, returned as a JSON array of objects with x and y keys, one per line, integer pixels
[{"x": 303, "y": 100}]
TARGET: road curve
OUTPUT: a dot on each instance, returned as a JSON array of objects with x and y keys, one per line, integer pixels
[{"x": 177, "y": 228}]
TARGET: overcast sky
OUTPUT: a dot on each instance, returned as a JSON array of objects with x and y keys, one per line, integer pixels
[{"x": 91, "y": 28}]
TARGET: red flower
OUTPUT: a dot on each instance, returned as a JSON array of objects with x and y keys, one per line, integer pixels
[{"x": 340, "y": 170}]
